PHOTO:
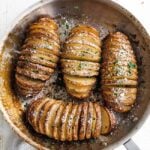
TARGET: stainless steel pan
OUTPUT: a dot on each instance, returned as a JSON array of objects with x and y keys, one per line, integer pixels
[{"x": 106, "y": 16}]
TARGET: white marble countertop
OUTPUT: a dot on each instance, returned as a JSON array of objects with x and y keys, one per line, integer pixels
[{"x": 9, "y": 10}]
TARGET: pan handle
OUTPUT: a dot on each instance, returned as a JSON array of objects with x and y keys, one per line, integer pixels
[{"x": 130, "y": 145}]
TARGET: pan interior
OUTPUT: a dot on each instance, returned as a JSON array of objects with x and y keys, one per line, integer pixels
[{"x": 107, "y": 18}]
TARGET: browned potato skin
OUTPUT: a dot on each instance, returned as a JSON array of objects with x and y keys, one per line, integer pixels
[
  {"x": 90, "y": 114},
  {"x": 38, "y": 57},
  {"x": 83, "y": 121},
  {"x": 98, "y": 125},
  {"x": 80, "y": 58},
  {"x": 69, "y": 121},
  {"x": 112, "y": 117},
  {"x": 119, "y": 73}
]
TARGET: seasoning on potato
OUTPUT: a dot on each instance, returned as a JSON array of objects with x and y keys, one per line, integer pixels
[
  {"x": 119, "y": 73},
  {"x": 68, "y": 121},
  {"x": 39, "y": 56},
  {"x": 80, "y": 60}
]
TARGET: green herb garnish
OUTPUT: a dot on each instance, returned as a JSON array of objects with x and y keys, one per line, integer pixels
[{"x": 131, "y": 66}]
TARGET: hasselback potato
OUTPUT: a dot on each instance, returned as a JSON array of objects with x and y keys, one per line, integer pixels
[
  {"x": 68, "y": 121},
  {"x": 38, "y": 57},
  {"x": 80, "y": 60},
  {"x": 119, "y": 72}
]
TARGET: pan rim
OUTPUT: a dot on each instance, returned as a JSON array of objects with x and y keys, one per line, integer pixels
[{"x": 12, "y": 26}]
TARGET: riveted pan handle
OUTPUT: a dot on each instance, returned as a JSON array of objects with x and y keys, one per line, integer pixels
[{"x": 130, "y": 145}]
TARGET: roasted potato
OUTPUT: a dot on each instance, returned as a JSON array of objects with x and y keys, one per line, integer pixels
[
  {"x": 98, "y": 126},
  {"x": 106, "y": 123},
  {"x": 83, "y": 121},
  {"x": 70, "y": 121},
  {"x": 38, "y": 58},
  {"x": 64, "y": 120},
  {"x": 119, "y": 72},
  {"x": 80, "y": 60}
]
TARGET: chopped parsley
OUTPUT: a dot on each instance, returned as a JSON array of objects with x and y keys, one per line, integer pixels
[
  {"x": 131, "y": 66},
  {"x": 80, "y": 66}
]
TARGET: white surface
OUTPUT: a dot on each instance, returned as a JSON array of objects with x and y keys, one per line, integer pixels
[{"x": 9, "y": 9}]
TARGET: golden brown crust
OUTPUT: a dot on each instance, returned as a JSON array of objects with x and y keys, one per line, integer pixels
[
  {"x": 70, "y": 121},
  {"x": 123, "y": 95},
  {"x": 50, "y": 117},
  {"x": 112, "y": 117},
  {"x": 119, "y": 72},
  {"x": 83, "y": 121},
  {"x": 76, "y": 123},
  {"x": 34, "y": 111},
  {"x": 64, "y": 120},
  {"x": 79, "y": 81},
  {"x": 80, "y": 58},
  {"x": 57, "y": 121},
  {"x": 98, "y": 125},
  {"x": 39, "y": 56},
  {"x": 89, "y": 120},
  {"x": 106, "y": 124},
  {"x": 42, "y": 115}
]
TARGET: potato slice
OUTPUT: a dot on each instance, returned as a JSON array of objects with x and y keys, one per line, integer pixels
[
  {"x": 25, "y": 92},
  {"x": 80, "y": 56},
  {"x": 50, "y": 21},
  {"x": 119, "y": 72},
  {"x": 86, "y": 40},
  {"x": 123, "y": 95},
  {"x": 89, "y": 120},
  {"x": 94, "y": 118},
  {"x": 41, "y": 31},
  {"x": 57, "y": 121},
  {"x": 83, "y": 121},
  {"x": 79, "y": 81},
  {"x": 75, "y": 88},
  {"x": 98, "y": 125},
  {"x": 76, "y": 123},
  {"x": 30, "y": 111},
  {"x": 39, "y": 44},
  {"x": 82, "y": 73},
  {"x": 85, "y": 28},
  {"x": 119, "y": 82},
  {"x": 40, "y": 54},
  {"x": 33, "y": 114},
  {"x": 112, "y": 117},
  {"x": 34, "y": 71},
  {"x": 28, "y": 82},
  {"x": 78, "y": 94},
  {"x": 86, "y": 35},
  {"x": 27, "y": 88},
  {"x": 31, "y": 74},
  {"x": 118, "y": 107},
  {"x": 70, "y": 123},
  {"x": 47, "y": 27},
  {"x": 37, "y": 60},
  {"x": 105, "y": 120},
  {"x": 35, "y": 67},
  {"x": 50, "y": 117},
  {"x": 37, "y": 26},
  {"x": 80, "y": 65},
  {"x": 64, "y": 119},
  {"x": 43, "y": 113},
  {"x": 43, "y": 39},
  {"x": 76, "y": 47}
]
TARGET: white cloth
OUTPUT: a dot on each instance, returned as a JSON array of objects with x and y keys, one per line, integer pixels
[{"x": 9, "y": 140}]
